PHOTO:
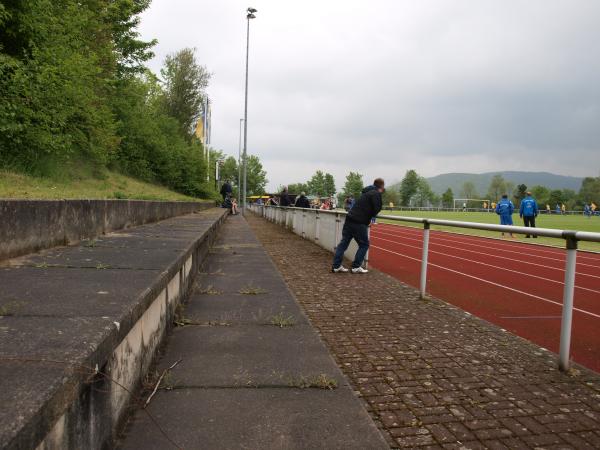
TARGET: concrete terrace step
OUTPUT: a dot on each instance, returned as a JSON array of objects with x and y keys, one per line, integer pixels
[
  {"x": 243, "y": 382},
  {"x": 80, "y": 324}
]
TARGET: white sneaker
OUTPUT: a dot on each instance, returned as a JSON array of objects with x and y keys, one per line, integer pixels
[
  {"x": 340, "y": 269},
  {"x": 359, "y": 270}
]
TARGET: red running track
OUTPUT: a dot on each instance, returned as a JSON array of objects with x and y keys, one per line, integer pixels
[{"x": 515, "y": 285}]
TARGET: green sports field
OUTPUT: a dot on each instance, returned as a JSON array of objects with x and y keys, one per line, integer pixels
[{"x": 567, "y": 222}]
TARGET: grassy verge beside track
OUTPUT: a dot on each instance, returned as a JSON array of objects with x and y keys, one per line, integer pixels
[{"x": 568, "y": 222}]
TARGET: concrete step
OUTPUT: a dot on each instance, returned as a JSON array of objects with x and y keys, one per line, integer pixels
[{"x": 80, "y": 325}]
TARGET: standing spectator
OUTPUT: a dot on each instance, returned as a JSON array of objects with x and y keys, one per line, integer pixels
[
  {"x": 284, "y": 198},
  {"x": 259, "y": 202},
  {"x": 356, "y": 227},
  {"x": 587, "y": 211},
  {"x": 557, "y": 209},
  {"x": 528, "y": 211},
  {"x": 594, "y": 208},
  {"x": 226, "y": 189},
  {"x": 563, "y": 209},
  {"x": 326, "y": 205},
  {"x": 548, "y": 210},
  {"x": 505, "y": 209},
  {"x": 302, "y": 201}
]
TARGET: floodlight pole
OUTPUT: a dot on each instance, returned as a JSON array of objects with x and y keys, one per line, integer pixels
[
  {"x": 249, "y": 15},
  {"x": 239, "y": 180}
]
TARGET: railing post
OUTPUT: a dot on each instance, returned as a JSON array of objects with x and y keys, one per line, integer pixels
[
  {"x": 567, "y": 312},
  {"x": 317, "y": 226},
  {"x": 303, "y": 223},
  {"x": 424, "y": 257}
]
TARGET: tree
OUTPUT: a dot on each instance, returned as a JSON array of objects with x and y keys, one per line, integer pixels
[
  {"x": 448, "y": 198},
  {"x": 541, "y": 194},
  {"x": 329, "y": 185},
  {"x": 184, "y": 82},
  {"x": 590, "y": 190},
  {"x": 391, "y": 196},
  {"x": 569, "y": 198},
  {"x": 424, "y": 195},
  {"x": 256, "y": 176},
  {"x": 468, "y": 190},
  {"x": 298, "y": 188},
  {"x": 229, "y": 171},
  {"x": 520, "y": 193},
  {"x": 353, "y": 185},
  {"x": 497, "y": 188},
  {"x": 556, "y": 196},
  {"x": 408, "y": 186},
  {"x": 75, "y": 93},
  {"x": 316, "y": 185}
]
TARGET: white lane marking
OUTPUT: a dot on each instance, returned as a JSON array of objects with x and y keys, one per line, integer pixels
[
  {"x": 488, "y": 265},
  {"x": 489, "y": 255},
  {"x": 464, "y": 238},
  {"x": 530, "y": 317},
  {"x": 537, "y": 297}
]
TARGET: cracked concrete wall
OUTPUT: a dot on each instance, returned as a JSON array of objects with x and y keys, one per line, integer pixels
[{"x": 27, "y": 226}]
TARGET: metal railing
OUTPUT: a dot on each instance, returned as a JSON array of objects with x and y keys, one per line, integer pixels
[
  {"x": 426, "y": 209},
  {"x": 324, "y": 228}
]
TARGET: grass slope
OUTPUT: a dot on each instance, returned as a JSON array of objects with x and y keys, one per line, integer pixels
[
  {"x": 568, "y": 222},
  {"x": 107, "y": 185}
]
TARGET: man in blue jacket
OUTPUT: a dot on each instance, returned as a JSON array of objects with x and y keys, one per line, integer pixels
[
  {"x": 528, "y": 211},
  {"x": 505, "y": 209},
  {"x": 356, "y": 227}
]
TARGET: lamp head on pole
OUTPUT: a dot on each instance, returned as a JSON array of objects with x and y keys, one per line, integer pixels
[{"x": 251, "y": 12}]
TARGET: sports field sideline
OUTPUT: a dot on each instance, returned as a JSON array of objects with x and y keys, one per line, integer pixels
[{"x": 566, "y": 222}]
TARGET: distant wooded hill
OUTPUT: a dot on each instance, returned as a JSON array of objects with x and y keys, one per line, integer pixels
[{"x": 455, "y": 181}]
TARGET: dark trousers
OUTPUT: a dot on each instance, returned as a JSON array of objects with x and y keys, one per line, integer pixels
[
  {"x": 529, "y": 221},
  {"x": 358, "y": 232}
]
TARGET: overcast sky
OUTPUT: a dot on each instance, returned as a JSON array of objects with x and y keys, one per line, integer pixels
[{"x": 382, "y": 86}]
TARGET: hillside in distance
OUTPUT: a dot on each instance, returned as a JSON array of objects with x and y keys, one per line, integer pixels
[{"x": 440, "y": 183}]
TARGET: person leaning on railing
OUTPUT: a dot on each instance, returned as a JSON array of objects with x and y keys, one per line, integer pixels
[{"x": 356, "y": 227}]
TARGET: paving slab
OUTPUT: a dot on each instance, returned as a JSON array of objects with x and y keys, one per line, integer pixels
[
  {"x": 253, "y": 419},
  {"x": 247, "y": 355},
  {"x": 238, "y": 381},
  {"x": 240, "y": 308}
]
